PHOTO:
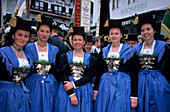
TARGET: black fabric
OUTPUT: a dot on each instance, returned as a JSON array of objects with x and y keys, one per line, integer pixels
[
  {"x": 89, "y": 38},
  {"x": 47, "y": 20},
  {"x": 23, "y": 24},
  {"x": 166, "y": 68},
  {"x": 56, "y": 41},
  {"x": 147, "y": 18},
  {"x": 115, "y": 23},
  {"x": 100, "y": 67},
  {"x": 78, "y": 30},
  {"x": 104, "y": 15},
  {"x": 64, "y": 69},
  {"x": 166, "y": 63},
  {"x": 132, "y": 37}
]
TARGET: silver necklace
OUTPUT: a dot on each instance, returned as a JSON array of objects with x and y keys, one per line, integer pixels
[{"x": 148, "y": 43}]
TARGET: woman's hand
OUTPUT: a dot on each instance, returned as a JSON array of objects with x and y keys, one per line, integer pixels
[
  {"x": 68, "y": 85},
  {"x": 94, "y": 95},
  {"x": 74, "y": 100},
  {"x": 134, "y": 102}
]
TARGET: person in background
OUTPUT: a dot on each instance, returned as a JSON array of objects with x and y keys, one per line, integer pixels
[
  {"x": 14, "y": 67},
  {"x": 55, "y": 40},
  {"x": 117, "y": 90},
  {"x": 33, "y": 35},
  {"x": 42, "y": 83},
  {"x": 96, "y": 46},
  {"x": 88, "y": 44},
  {"x": 132, "y": 39},
  {"x": 153, "y": 58},
  {"x": 167, "y": 40},
  {"x": 140, "y": 39},
  {"x": 61, "y": 35},
  {"x": 75, "y": 93}
]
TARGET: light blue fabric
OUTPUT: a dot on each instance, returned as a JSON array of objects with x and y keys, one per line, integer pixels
[
  {"x": 125, "y": 53},
  {"x": 115, "y": 89},
  {"x": 13, "y": 98},
  {"x": 42, "y": 88},
  {"x": 153, "y": 92},
  {"x": 84, "y": 93},
  {"x": 153, "y": 88},
  {"x": 158, "y": 49},
  {"x": 114, "y": 93}
]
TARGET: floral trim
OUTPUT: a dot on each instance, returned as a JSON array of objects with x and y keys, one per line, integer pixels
[
  {"x": 113, "y": 57},
  {"x": 24, "y": 69},
  {"x": 81, "y": 63},
  {"x": 141, "y": 54},
  {"x": 42, "y": 62}
]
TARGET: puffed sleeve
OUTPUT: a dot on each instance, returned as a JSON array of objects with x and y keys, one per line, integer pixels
[
  {"x": 87, "y": 76},
  {"x": 133, "y": 68},
  {"x": 5, "y": 67},
  {"x": 97, "y": 68},
  {"x": 64, "y": 70},
  {"x": 166, "y": 61}
]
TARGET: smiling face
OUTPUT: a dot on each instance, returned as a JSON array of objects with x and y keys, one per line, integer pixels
[
  {"x": 21, "y": 38},
  {"x": 32, "y": 37},
  {"x": 43, "y": 33},
  {"x": 88, "y": 46},
  {"x": 131, "y": 43},
  {"x": 147, "y": 32},
  {"x": 115, "y": 35},
  {"x": 78, "y": 42}
]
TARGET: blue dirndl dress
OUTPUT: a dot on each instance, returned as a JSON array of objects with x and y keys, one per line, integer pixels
[
  {"x": 83, "y": 93},
  {"x": 42, "y": 88},
  {"x": 13, "y": 98},
  {"x": 115, "y": 86},
  {"x": 153, "y": 88}
]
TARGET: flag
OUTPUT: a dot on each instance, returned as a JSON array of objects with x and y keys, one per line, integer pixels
[
  {"x": 2, "y": 39},
  {"x": 165, "y": 26},
  {"x": 21, "y": 9},
  {"x": 104, "y": 15}
]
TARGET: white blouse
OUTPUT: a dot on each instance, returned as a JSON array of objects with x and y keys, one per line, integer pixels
[
  {"x": 42, "y": 55},
  {"x": 148, "y": 51},
  {"x": 115, "y": 54}
]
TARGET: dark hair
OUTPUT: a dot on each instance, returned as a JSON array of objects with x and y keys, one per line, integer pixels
[
  {"x": 121, "y": 30},
  {"x": 39, "y": 25},
  {"x": 84, "y": 37},
  {"x": 9, "y": 41}
]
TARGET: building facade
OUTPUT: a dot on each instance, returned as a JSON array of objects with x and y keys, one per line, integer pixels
[
  {"x": 60, "y": 10},
  {"x": 127, "y": 10}
]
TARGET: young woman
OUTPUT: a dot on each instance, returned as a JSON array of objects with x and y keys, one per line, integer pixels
[
  {"x": 41, "y": 83},
  {"x": 89, "y": 42},
  {"x": 13, "y": 60},
  {"x": 153, "y": 86},
  {"x": 75, "y": 93},
  {"x": 118, "y": 84}
]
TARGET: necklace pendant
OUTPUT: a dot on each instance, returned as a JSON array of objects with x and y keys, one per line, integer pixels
[{"x": 42, "y": 45}]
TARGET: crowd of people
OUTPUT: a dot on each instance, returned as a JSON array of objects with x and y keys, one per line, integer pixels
[{"x": 47, "y": 70}]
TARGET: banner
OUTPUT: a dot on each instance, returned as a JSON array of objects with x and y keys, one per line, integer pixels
[
  {"x": 21, "y": 9},
  {"x": 77, "y": 13},
  {"x": 165, "y": 26},
  {"x": 98, "y": 20},
  {"x": 85, "y": 14}
]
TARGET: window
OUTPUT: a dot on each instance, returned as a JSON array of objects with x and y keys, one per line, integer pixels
[
  {"x": 59, "y": 9},
  {"x": 36, "y": 5},
  {"x": 131, "y": 1},
  {"x": 41, "y": 5},
  {"x": 56, "y": 9},
  {"x": 116, "y": 4},
  {"x": 70, "y": 11}
]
